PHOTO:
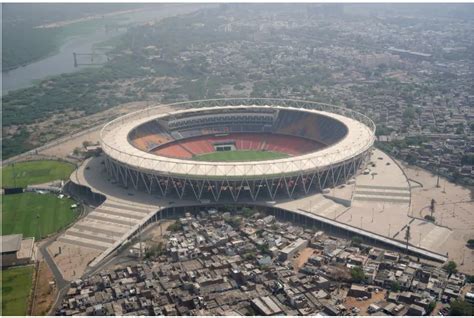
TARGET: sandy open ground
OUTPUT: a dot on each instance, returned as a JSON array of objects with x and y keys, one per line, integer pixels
[
  {"x": 73, "y": 260},
  {"x": 454, "y": 211},
  {"x": 45, "y": 292},
  {"x": 363, "y": 305},
  {"x": 302, "y": 258},
  {"x": 65, "y": 148},
  {"x": 156, "y": 232}
]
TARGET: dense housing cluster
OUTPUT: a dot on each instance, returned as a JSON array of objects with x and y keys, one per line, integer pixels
[{"x": 247, "y": 263}]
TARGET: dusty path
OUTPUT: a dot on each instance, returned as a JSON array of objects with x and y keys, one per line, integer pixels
[
  {"x": 303, "y": 258},
  {"x": 45, "y": 292}
]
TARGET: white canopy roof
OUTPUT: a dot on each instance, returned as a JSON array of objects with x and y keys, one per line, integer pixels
[{"x": 115, "y": 143}]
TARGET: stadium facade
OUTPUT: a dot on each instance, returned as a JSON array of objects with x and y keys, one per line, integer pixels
[{"x": 154, "y": 150}]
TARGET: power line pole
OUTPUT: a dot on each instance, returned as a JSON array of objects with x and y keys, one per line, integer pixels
[
  {"x": 140, "y": 241},
  {"x": 161, "y": 223},
  {"x": 14, "y": 175},
  {"x": 437, "y": 181},
  {"x": 38, "y": 226}
]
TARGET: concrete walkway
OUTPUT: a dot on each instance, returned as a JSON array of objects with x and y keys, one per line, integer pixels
[{"x": 125, "y": 210}]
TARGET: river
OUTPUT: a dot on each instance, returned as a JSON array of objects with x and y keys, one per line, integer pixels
[{"x": 62, "y": 61}]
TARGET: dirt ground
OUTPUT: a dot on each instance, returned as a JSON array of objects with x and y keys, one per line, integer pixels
[
  {"x": 302, "y": 258},
  {"x": 363, "y": 305},
  {"x": 151, "y": 236},
  {"x": 45, "y": 292},
  {"x": 73, "y": 260},
  {"x": 437, "y": 308},
  {"x": 65, "y": 148},
  {"x": 155, "y": 233},
  {"x": 454, "y": 209},
  {"x": 453, "y": 204}
]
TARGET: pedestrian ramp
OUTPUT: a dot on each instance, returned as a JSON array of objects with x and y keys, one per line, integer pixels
[
  {"x": 382, "y": 194},
  {"x": 435, "y": 237},
  {"x": 107, "y": 225},
  {"x": 325, "y": 207}
]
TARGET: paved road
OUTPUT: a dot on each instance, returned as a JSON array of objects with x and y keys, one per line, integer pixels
[{"x": 60, "y": 281}]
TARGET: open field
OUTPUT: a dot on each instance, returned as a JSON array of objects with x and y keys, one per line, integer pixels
[
  {"x": 71, "y": 260},
  {"x": 89, "y": 131},
  {"x": 44, "y": 291},
  {"x": 35, "y": 214},
  {"x": 16, "y": 286},
  {"x": 35, "y": 172},
  {"x": 240, "y": 155},
  {"x": 454, "y": 212},
  {"x": 363, "y": 305},
  {"x": 303, "y": 257}
]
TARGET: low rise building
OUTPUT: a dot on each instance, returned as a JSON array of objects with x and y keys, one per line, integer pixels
[{"x": 16, "y": 250}]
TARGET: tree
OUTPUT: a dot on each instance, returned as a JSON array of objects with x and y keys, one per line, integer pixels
[
  {"x": 411, "y": 159},
  {"x": 461, "y": 308},
  {"x": 395, "y": 286},
  {"x": 408, "y": 115},
  {"x": 235, "y": 222},
  {"x": 430, "y": 218},
  {"x": 470, "y": 243},
  {"x": 247, "y": 212},
  {"x": 155, "y": 251},
  {"x": 356, "y": 241},
  {"x": 175, "y": 227},
  {"x": 431, "y": 307},
  {"x": 77, "y": 151},
  {"x": 263, "y": 249},
  {"x": 357, "y": 274},
  {"x": 250, "y": 256},
  {"x": 468, "y": 159},
  {"x": 407, "y": 236},
  {"x": 451, "y": 267},
  {"x": 383, "y": 130}
]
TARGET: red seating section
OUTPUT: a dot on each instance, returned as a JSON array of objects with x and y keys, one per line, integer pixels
[
  {"x": 187, "y": 148},
  {"x": 149, "y": 136}
]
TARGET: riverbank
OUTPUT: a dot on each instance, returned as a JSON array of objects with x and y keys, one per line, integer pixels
[
  {"x": 88, "y": 18},
  {"x": 81, "y": 37},
  {"x": 28, "y": 37},
  {"x": 55, "y": 105}
]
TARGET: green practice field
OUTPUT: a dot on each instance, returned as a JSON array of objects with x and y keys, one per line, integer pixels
[
  {"x": 35, "y": 172},
  {"x": 241, "y": 155},
  {"x": 34, "y": 214},
  {"x": 16, "y": 286}
]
